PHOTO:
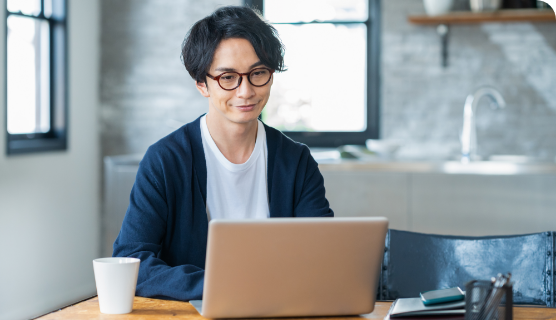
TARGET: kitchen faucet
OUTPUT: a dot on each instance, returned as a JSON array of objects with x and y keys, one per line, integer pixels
[{"x": 469, "y": 132}]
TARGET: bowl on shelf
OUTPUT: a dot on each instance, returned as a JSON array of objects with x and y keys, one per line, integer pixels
[
  {"x": 437, "y": 7},
  {"x": 485, "y": 5}
]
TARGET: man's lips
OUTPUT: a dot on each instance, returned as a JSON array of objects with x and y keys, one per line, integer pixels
[{"x": 246, "y": 107}]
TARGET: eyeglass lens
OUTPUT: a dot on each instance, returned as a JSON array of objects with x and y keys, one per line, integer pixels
[{"x": 257, "y": 77}]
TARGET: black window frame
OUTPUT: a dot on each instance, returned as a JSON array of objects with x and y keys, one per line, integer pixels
[
  {"x": 56, "y": 138},
  {"x": 336, "y": 139}
]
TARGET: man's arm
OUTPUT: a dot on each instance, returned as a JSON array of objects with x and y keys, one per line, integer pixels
[{"x": 142, "y": 234}]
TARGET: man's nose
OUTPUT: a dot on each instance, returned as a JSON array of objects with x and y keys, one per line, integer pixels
[{"x": 245, "y": 89}]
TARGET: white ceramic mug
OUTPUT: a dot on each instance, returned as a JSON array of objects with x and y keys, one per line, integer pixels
[{"x": 116, "y": 279}]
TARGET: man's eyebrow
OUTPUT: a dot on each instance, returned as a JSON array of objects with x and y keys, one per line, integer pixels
[{"x": 224, "y": 69}]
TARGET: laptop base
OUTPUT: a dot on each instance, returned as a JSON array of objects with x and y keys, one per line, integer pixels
[{"x": 198, "y": 304}]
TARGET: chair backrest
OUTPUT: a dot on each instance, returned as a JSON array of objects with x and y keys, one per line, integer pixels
[{"x": 416, "y": 262}]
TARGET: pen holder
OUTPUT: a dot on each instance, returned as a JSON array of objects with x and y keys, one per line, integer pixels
[{"x": 479, "y": 304}]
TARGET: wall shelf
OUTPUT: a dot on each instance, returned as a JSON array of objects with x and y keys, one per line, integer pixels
[{"x": 468, "y": 17}]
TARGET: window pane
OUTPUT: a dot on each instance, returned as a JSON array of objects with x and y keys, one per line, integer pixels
[
  {"x": 324, "y": 87},
  {"x": 315, "y": 10},
  {"x": 28, "y": 75},
  {"x": 47, "y": 8},
  {"x": 59, "y": 77},
  {"x": 58, "y": 9},
  {"x": 30, "y": 7}
]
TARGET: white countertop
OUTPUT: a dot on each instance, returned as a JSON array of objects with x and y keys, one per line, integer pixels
[{"x": 448, "y": 167}]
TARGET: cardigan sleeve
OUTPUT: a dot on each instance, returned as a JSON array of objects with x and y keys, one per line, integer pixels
[
  {"x": 312, "y": 201},
  {"x": 142, "y": 234}
]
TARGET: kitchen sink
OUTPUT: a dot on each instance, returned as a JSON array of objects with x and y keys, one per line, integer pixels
[{"x": 513, "y": 158}]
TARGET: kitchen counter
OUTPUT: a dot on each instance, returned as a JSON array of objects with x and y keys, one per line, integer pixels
[
  {"x": 448, "y": 167},
  {"x": 445, "y": 197}
]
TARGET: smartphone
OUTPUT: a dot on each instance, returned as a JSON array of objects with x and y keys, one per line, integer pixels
[{"x": 441, "y": 296}]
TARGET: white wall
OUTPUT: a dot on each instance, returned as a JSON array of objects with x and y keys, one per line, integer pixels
[{"x": 49, "y": 202}]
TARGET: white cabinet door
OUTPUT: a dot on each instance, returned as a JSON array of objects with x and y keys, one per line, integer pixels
[
  {"x": 368, "y": 194},
  {"x": 481, "y": 204}
]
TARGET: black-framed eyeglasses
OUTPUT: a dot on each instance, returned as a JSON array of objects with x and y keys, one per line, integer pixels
[{"x": 232, "y": 80}]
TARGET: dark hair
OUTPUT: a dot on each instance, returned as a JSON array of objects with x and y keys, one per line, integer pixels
[{"x": 203, "y": 38}]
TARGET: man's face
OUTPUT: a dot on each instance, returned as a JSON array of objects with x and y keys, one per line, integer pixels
[{"x": 245, "y": 103}]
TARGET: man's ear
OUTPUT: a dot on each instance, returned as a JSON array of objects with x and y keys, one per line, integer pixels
[{"x": 203, "y": 89}]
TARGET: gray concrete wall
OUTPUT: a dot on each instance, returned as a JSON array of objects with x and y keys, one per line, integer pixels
[
  {"x": 422, "y": 103},
  {"x": 146, "y": 92}
]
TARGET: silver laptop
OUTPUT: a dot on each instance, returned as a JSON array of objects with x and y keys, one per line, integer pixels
[{"x": 289, "y": 267}]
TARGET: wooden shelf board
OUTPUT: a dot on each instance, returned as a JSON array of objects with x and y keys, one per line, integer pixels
[{"x": 468, "y": 17}]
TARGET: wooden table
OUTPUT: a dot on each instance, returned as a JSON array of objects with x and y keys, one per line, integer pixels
[{"x": 146, "y": 309}]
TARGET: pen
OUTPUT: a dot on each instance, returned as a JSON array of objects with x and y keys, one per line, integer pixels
[{"x": 495, "y": 296}]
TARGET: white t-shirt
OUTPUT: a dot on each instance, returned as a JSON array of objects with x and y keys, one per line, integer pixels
[{"x": 236, "y": 191}]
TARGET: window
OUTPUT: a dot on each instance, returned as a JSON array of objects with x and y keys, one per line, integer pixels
[
  {"x": 329, "y": 96},
  {"x": 35, "y": 75}
]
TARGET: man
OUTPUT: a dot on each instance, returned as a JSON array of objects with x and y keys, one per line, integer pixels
[{"x": 225, "y": 164}]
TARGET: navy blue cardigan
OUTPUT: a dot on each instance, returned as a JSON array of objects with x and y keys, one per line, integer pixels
[{"x": 166, "y": 224}]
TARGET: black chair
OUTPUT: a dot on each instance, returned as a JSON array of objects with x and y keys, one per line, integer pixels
[{"x": 416, "y": 262}]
